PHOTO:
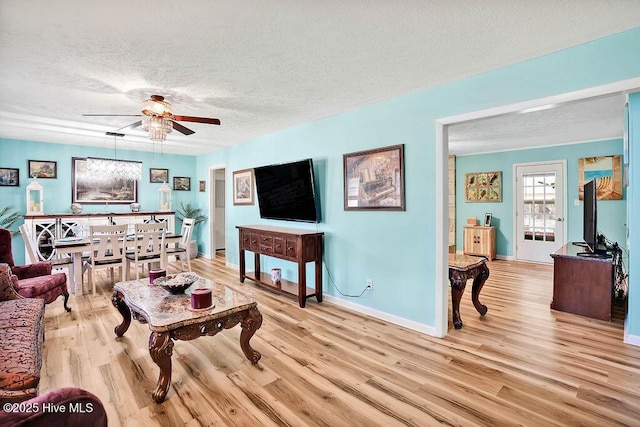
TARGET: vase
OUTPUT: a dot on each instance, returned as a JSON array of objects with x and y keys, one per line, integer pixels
[{"x": 76, "y": 208}]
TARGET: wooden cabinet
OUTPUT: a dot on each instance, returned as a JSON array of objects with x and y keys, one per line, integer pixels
[
  {"x": 582, "y": 284},
  {"x": 480, "y": 240},
  {"x": 299, "y": 246},
  {"x": 44, "y": 229}
]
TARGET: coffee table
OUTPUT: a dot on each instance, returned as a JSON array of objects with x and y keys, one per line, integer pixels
[
  {"x": 462, "y": 268},
  {"x": 170, "y": 318}
]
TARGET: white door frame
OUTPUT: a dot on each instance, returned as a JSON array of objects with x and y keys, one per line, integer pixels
[
  {"x": 441, "y": 178},
  {"x": 212, "y": 207},
  {"x": 562, "y": 216}
]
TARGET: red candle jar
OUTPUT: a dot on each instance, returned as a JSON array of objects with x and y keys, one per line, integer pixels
[
  {"x": 154, "y": 274},
  {"x": 201, "y": 298}
]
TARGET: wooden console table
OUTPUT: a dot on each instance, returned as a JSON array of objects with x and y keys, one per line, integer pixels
[
  {"x": 299, "y": 246},
  {"x": 582, "y": 285}
]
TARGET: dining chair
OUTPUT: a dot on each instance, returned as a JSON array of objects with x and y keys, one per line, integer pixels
[
  {"x": 182, "y": 250},
  {"x": 149, "y": 247},
  {"x": 63, "y": 262},
  {"x": 107, "y": 250}
]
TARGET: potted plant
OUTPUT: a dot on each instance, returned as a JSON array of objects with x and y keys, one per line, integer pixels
[
  {"x": 187, "y": 210},
  {"x": 8, "y": 216}
]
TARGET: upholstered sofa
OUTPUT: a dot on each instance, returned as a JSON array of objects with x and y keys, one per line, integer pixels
[{"x": 21, "y": 337}]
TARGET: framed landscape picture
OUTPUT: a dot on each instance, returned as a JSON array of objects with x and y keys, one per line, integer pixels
[
  {"x": 100, "y": 190},
  {"x": 243, "y": 187},
  {"x": 607, "y": 171},
  {"x": 181, "y": 183},
  {"x": 10, "y": 177},
  {"x": 374, "y": 179},
  {"x": 42, "y": 169},
  {"x": 158, "y": 175}
]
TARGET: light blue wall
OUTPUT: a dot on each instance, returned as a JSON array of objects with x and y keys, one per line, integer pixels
[
  {"x": 633, "y": 191},
  {"x": 396, "y": 249},
  {"x": 611, "y": 213},
  {"x": 57, "y": 192}
]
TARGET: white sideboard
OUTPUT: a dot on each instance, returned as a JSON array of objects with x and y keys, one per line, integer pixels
[{"x": 44, "y": 229}]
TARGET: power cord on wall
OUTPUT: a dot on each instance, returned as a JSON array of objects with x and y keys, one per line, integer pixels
[{"x": 366, "y": 289}]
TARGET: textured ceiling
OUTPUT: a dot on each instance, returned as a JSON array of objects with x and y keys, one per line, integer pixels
[{"x": 260, "y": 66}]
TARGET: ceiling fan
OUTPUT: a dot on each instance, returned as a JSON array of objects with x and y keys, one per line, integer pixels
[{"x": 158, "y": 119}]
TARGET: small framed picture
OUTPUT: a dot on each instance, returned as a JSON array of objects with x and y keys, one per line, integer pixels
[
  {"x": 10, "y": 177},
  {"x": 201, "y": 186},
  {"x": 158, "y": 175},
  {"x": 181, "y": 183},
  {"x": 243, "y": 187},
  {"x": 42, "y": 169},
  {"x": 487, "y": 219}
]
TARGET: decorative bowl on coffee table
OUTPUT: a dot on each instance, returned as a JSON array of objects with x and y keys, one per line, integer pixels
[{"x": 176, "y": 283}]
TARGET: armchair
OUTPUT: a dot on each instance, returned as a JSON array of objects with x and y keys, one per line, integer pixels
[{"x": 33, "y": 280}]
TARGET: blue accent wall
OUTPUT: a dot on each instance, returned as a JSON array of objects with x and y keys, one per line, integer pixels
[
  {"x": 397, "y": 249},
  {"x": 57, "y": 192},
  {"x": 611, "y": 213}
]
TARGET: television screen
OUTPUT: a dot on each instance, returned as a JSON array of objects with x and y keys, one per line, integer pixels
[
  {"x": 590, "y": 233},
  {"x": 287, "y": 192}
]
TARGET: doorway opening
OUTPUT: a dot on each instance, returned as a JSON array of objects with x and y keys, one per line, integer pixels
[{"x": 217, "y": 219}]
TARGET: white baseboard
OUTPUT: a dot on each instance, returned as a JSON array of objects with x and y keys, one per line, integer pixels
[
  {"x": 400, "y": 321},
  {"x": 632, "y": 339}
]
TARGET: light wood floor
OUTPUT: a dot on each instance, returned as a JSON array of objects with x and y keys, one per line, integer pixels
[{"x": 521, "y": 364}]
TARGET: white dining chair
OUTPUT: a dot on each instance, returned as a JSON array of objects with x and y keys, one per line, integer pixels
[
  {"x": 57, "y": 263},
  {"x": 181, "y": 251},
  {"x": 107, "y": 250},
  {"x": 148, "y": 247}
]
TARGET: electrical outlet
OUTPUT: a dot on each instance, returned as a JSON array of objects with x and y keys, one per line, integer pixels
[{"x": 369, "y": 284}]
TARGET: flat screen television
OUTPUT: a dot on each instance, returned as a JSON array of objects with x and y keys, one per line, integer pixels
[
  {"x": 286, "y": 191},
  {"x": 590, "y": 218}
]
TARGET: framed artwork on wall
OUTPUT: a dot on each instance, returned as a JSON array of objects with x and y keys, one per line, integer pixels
[
  {"x": 607, "y": 171},
  {"x": 42, "y": 169},
  {"x": 9, "y": 177},
  {"x": 201, "y": 186},
  {"x": 243, "y": 187},
  {"x": 374, "y": 179},
  {"x": 100, "y": 190},
  {"x": 159, "y": 176},
  {"x": 181, "y": 183},
  {"x": 483, "y": 187}
]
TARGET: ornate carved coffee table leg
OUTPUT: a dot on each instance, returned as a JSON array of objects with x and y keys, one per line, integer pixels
[
  {"x": 118, "y": 302},
  {"x": 251, "y": 322},
  {"x": 161, "y": 349},
  {"x": 478, "y": 283},
  {"x": 458, "y": 284}
]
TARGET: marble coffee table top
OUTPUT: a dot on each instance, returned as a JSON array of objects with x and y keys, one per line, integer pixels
[{"x": 165, "y": 311}]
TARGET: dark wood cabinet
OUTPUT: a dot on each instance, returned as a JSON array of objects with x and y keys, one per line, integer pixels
[
  {"x": 582, "y": 285},
  {"x": 299, "y": 246}
]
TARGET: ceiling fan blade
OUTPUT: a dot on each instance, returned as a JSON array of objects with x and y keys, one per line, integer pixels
[
  {"x": 132, "y": 125},
  {"x": 112, "y": 115},
  {"x": 197, "y": 119},
  {"x": 184, "y": 130}
]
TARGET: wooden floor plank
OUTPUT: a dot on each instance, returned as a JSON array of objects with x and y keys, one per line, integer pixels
[{"x": 521, "y": 363}]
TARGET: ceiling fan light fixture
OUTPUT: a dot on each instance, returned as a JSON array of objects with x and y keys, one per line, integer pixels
[
  {"x": 156, "y": 106},
  {"x": 157, "y": 127}
]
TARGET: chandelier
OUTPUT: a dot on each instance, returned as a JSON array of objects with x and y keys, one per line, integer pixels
[
  {"x": 158, "y": 127},
  {"x": 157, "y": 118},
  {"x": 109, "y": 169}
]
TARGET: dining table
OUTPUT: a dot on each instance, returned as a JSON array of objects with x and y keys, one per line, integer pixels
[{"x": 75, "y": 246}]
